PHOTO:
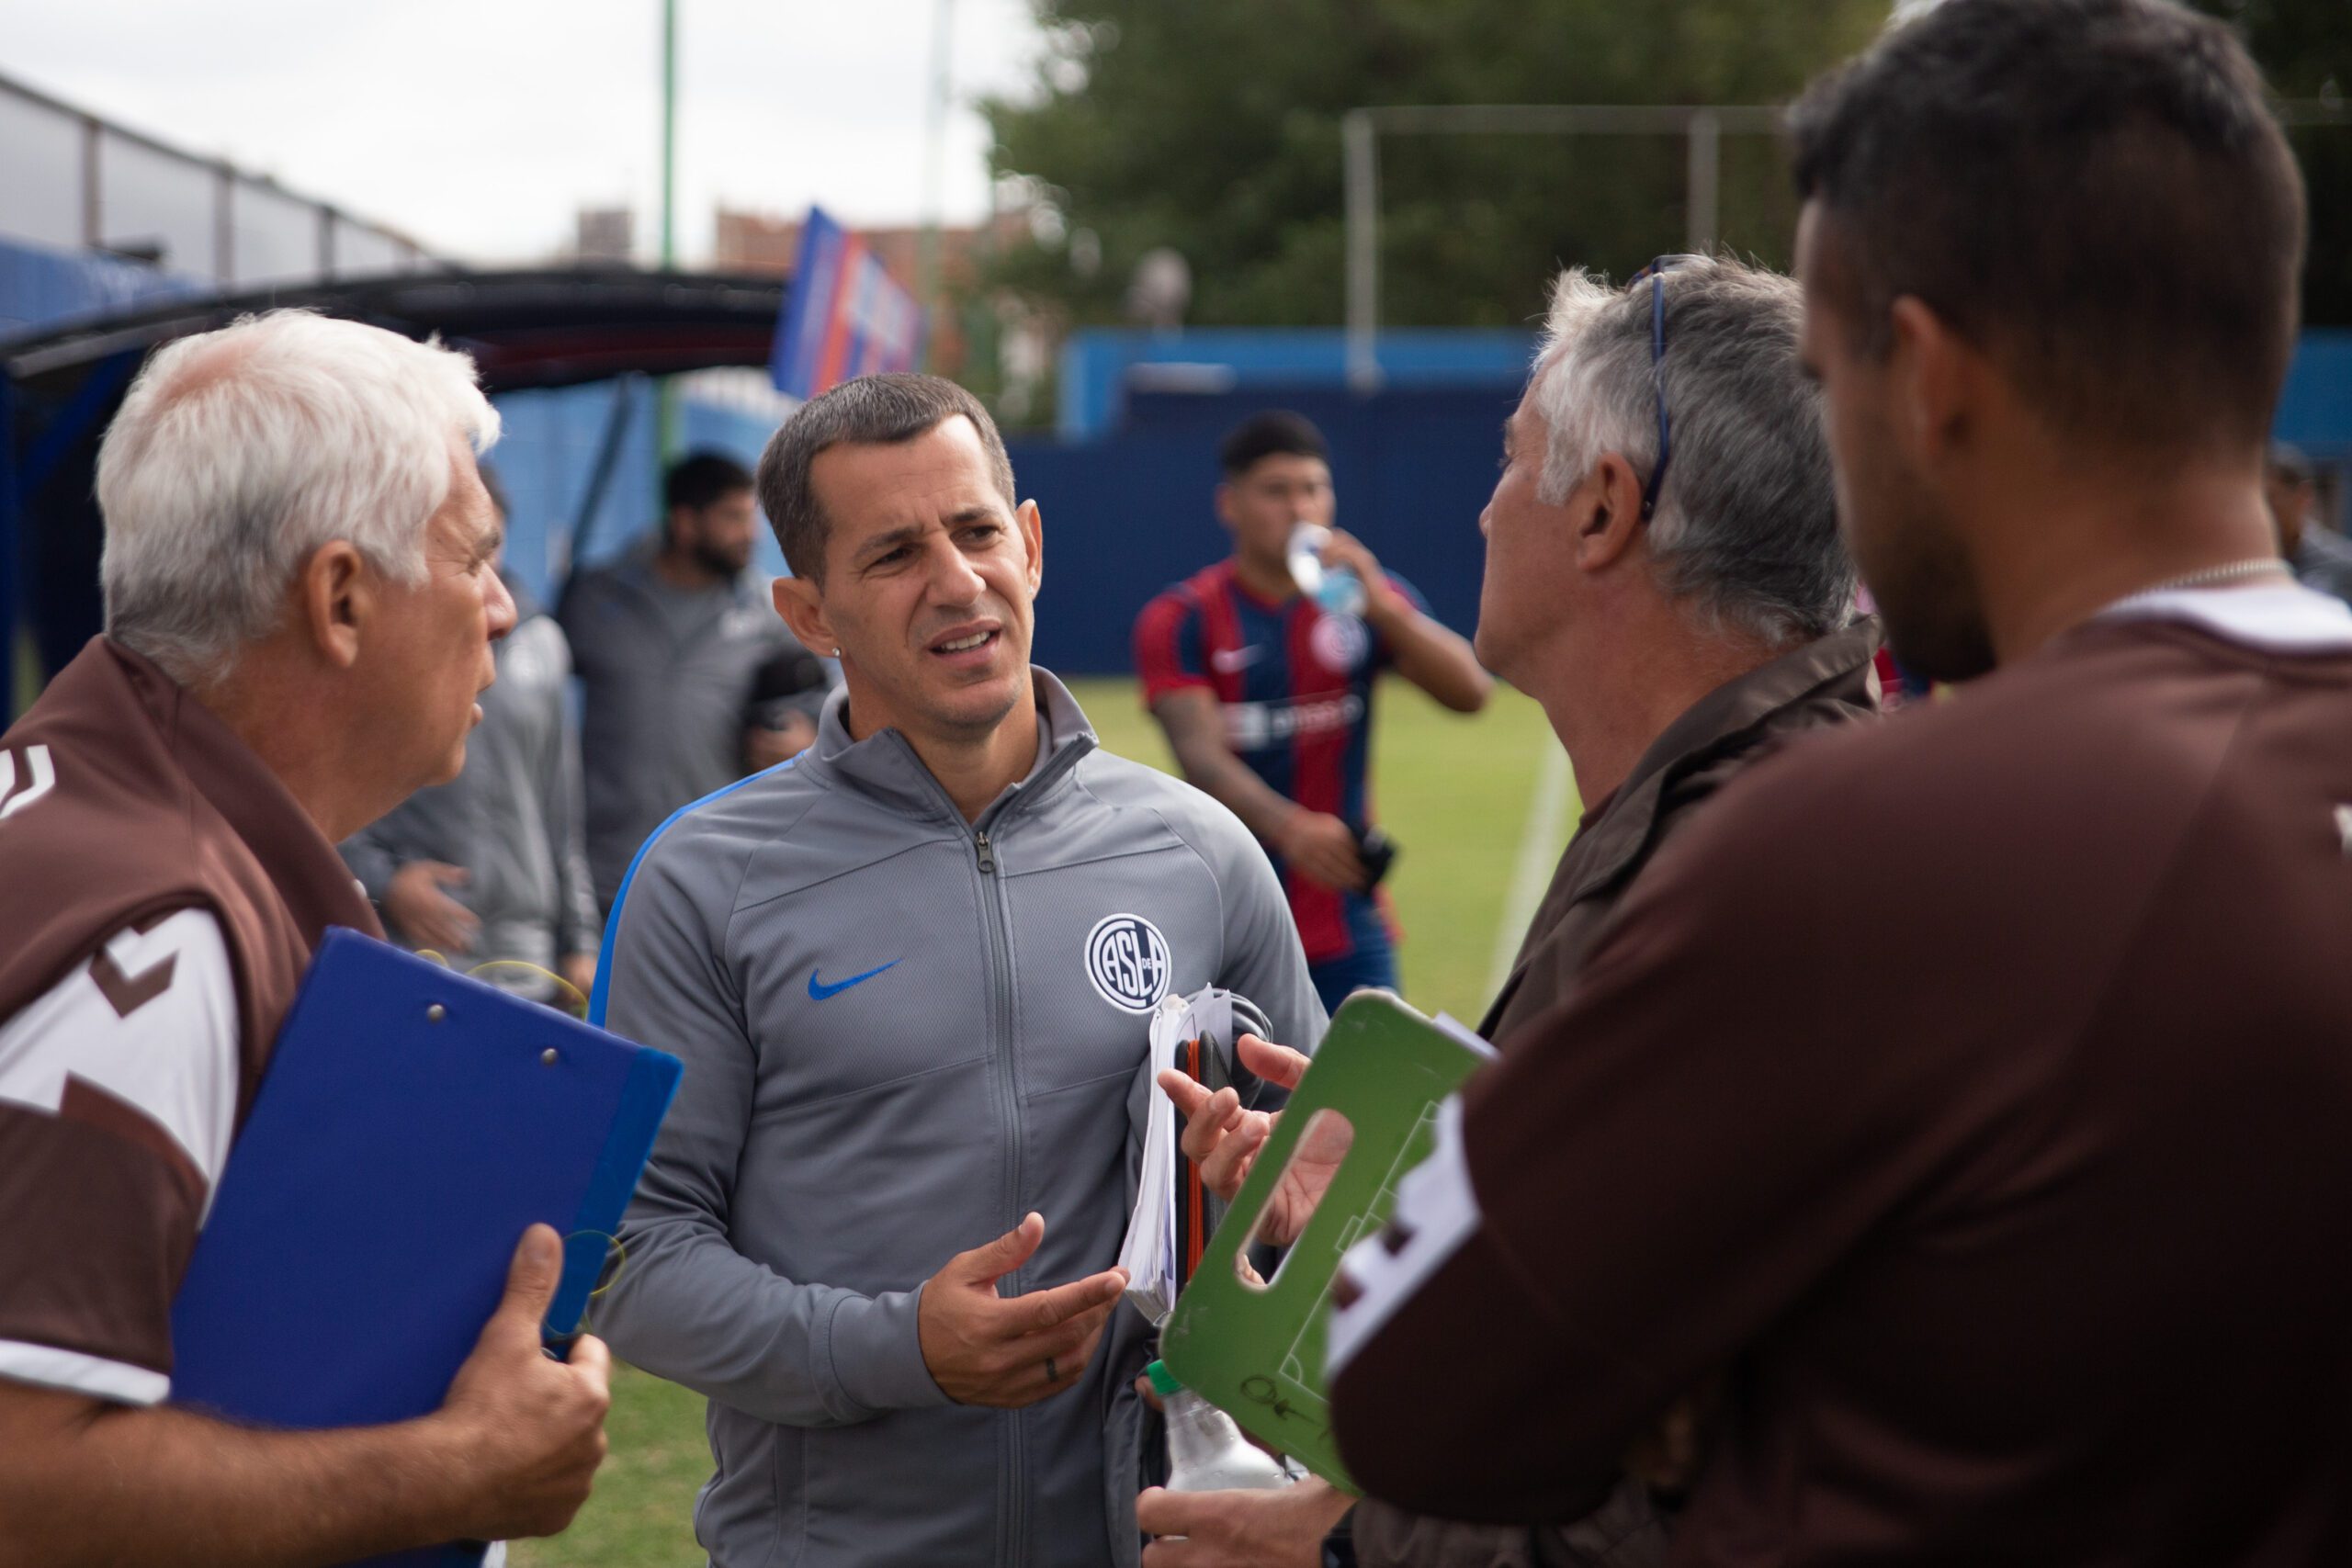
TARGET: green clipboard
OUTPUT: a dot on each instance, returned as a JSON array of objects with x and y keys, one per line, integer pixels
[{"x": 1256, "y": 1352}]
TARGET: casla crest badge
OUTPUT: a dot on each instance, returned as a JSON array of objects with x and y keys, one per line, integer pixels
[
  {"x": 1338, "y": 643},
  {"x": 1127, "y": 960}
]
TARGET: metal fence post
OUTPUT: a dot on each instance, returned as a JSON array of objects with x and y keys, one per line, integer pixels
[
  {"x": 1357, "y": 137},
  {"x": 1705, "y": 135}
]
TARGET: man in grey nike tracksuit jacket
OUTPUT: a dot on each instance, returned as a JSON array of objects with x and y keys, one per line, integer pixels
[{"x": 910, "y": 975}]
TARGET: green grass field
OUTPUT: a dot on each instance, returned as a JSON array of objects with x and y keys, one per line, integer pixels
[{"x": 1454, "y": 792}]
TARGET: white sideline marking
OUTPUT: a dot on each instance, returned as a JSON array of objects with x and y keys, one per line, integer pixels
[{"x": 1547, "y": 809}]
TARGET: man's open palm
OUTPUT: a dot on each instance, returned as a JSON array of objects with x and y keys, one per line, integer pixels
[{"x": 1008, "y": 1351}]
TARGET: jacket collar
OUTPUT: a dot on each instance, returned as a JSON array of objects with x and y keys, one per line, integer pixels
[
  {"x": 312, "y": 879},
  {"x": 1737, "y": 715},
  {"x": 885, "y": 767}
]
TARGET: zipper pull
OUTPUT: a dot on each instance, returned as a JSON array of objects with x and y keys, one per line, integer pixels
[{"x": 988, "y": 854}]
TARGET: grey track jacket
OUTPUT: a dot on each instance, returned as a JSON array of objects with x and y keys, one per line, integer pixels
[
  {"x": 902, "y": 1033},
  {"x": 511, "y": 817}
]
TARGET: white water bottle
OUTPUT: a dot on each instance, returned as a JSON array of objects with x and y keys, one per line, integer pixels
[
  {"x": 1337, "y": 589},
  {"x": 1206, "y": 1452}
]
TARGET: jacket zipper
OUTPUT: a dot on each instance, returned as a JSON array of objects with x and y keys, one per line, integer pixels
[
  {"x": 1013, "y": 1541},
  {"x": 1013, "y": 1533}
]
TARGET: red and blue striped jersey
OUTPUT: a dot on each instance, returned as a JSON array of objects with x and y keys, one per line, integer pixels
[{"x": 1295, "y": 685}]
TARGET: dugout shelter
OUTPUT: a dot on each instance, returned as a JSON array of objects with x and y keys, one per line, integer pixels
[{"x": 527, "y": 330}]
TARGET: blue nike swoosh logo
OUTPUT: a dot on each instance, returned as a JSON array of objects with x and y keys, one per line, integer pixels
[{"x": 818, "y": 990}]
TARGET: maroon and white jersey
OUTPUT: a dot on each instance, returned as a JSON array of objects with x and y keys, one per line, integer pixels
[
  {"x": 162, "y": 894},
  {"x": 120, "y": 1084}
]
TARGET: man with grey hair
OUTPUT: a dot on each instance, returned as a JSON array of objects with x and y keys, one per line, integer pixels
[
  {"x": 1662, "y": 574},
  {"x": 299, "y": 614},
  {"x": 912, "y": 974}
]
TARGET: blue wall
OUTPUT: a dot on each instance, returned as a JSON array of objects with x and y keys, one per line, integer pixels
[
  {"x": 1129, "y": 511},
  {"x": 1102, "y": 368},
  {"x": 1127, "y": 517},
  {"x": 2315, "y": 412}
]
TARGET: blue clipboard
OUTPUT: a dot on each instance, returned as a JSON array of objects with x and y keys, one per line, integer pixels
[{"x": 412, "y": 1124}]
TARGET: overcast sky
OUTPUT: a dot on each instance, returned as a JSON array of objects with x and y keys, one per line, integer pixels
[{"x": 480, "y": 126}]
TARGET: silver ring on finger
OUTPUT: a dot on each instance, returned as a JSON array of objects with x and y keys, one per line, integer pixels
[{"x": 1053, "y": 1373}]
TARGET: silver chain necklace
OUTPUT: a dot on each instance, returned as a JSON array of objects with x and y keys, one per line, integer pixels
[{"x": 2256, "y": 566}]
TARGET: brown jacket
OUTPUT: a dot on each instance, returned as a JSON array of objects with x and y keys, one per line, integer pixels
[
  {"x": 1824, "y": 684},
  {"x": 133, "y": 801}
]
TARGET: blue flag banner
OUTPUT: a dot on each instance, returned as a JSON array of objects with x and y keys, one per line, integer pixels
[{"x": 844, "y": 315}]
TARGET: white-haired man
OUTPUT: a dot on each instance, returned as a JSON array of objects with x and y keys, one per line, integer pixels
[
  {"x": 1663, "y": 574},
  {"x": 299, "y": 613}
]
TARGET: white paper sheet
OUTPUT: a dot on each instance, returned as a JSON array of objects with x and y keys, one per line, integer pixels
[{"x": 1149, "y": 1253}]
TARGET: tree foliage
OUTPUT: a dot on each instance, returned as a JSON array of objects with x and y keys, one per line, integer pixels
[
  {"x": 2305, "y": 49},
  {"x": 1213, "y": 127}
]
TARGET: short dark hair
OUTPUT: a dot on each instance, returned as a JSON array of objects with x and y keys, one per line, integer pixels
[
  {"x": 872, "y": 410},
  {"x": 703, "y": 479},
  {"x": 1276, "y": 432},
  {"x": 2095, "y": 191}
]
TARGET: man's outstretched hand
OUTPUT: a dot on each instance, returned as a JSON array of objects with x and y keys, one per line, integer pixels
[
  {"x": 1223, "y": 1140},
  {"x": 984, "y": 1348}
]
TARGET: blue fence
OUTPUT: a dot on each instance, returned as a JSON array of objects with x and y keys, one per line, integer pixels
[
  {"x": 1102, "y": 368},
  {"x": 1127, "y": 517}
]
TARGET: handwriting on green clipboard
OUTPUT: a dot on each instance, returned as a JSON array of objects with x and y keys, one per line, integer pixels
[{"x": 1266, "y": 1392}]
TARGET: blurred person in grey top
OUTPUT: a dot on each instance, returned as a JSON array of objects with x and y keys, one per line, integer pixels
[
  {"x": 910, "y": 974},
  {"x": 489, "y": 868},
  {"x": 666, "y": 642},
  {"x": 2320, "y": 557}
]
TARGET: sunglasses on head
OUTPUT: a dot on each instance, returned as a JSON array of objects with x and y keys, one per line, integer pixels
[{"x": 1655, "y": 275}]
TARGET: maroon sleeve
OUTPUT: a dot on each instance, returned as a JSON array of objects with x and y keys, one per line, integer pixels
[
  {"x": 1169, "y": 654},
  {"x": 118, "y": 1096},
  {"x": 97, "y": 1224}
]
